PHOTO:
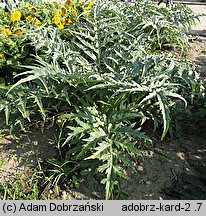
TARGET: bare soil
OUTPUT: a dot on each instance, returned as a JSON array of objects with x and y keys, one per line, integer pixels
[
  {"x": 20, "y": 155},
  {"x": 171, "y": 169},
  {"x": 200, "y": 27}
]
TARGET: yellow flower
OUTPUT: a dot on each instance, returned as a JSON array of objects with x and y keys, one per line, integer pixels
[
  {"x": 29, "y": 18},
  {"x": 70, "y": 10},
  {"x": 70, "y": 20},
  {"x": 33, "y": 10},
  {"x": 2, "y": 56},
  {"x": 61, "y": 26},
  {"x": 64, "y": 19},
  {"x": 7, "y": 30},
  {"x": 18, "y": 31},
  {"x": 69, "y": 3},
  {"x": 56, "y": 20},
  {"x": 36, "y": 21},
  {"x": 88, "y": 7},
  {"x": 15, "y": 16},
  {"x": 90, "y": 4},
  {"x": 63, "y": 11}
]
